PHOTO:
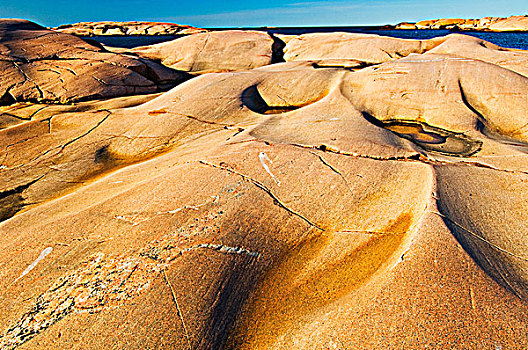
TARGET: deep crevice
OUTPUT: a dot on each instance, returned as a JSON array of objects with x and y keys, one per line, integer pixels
[
  {"x": 11, "y": 201},
  {"x": 277, "y": 49}
]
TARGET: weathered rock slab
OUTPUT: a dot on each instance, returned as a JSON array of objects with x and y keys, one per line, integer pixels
[
  {"x": 45, "y": 66},
  {"x": 220, "y": 51}
]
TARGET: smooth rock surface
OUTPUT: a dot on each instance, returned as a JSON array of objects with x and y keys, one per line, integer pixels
[
  {"x": 349, "y": 50},
  {"x": 222, "y": 51},
  {"x": 368, "y": 48},
  {"x": 336, "y": 201}
]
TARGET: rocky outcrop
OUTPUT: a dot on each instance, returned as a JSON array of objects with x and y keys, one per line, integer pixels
[
  {"x": 46, "y": 66},
  {"x": 347, "y": 198},
  {"x": 221, "y": 51},
  {"x": 370, "y": 49},
  {"x": 353, "y": 51},
  {"x": 404, "y": 25},
  {"x": 514, "y": 23},
  {"x": 495, "y": 24},
  {"x": 127, "y": 28}
]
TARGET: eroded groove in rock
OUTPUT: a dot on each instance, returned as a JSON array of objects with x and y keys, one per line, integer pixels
[
  {"x": 430, "y": 138},
  {"x": 277, "y": 50},
  {"x": 434, "y": 139},
  {"x": 284, "y": 297},
  {"x": 11, "y": 201},
  {"x": 350, "y": 65},
  {"x": 496, "y": 242}
]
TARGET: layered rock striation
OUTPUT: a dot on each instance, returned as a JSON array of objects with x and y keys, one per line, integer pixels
[{"x": 368, "y": 192}]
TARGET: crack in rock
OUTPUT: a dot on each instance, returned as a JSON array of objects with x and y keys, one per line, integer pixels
[
  {"x": 479, "y": 237},
  {"x": 265, "y": 189},
  {"x": 417, "y": 157},
  {"x": 326, "y": 148}
]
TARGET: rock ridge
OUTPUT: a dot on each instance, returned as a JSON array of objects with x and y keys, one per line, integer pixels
[
  {"x": 127, "y": 28},
  {"x": 490, "y": 24}
]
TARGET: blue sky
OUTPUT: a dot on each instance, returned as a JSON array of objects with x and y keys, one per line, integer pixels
[{"x": 210, "y": 13}]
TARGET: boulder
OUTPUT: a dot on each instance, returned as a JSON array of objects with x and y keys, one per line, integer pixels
[
  {"x": 222, "y": 51},
  {"x": 42, "y": 65}
]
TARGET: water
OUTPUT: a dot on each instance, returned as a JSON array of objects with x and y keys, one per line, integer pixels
[
  {"x": 515, "y": 40},
  {"x": 131, "y": 41}
]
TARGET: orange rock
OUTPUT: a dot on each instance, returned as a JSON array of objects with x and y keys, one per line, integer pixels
[
  {"x": 406, "y": 25},
  {"x": 324, "y": 202},
  {"x": 427, "y": 24},
  {"x": 42, "y": 65},
  {"x": 221, "y": 51},
  {"x": 514, "y": 23},
  {"x": 127, "y": 28}
]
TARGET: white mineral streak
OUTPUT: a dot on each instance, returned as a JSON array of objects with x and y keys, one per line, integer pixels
[
  {"x": 42, "y": 255},
  {"x": 263, "y": 158}
]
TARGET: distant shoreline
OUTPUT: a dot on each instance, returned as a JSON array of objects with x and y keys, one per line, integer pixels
[{"x": 511, "y": 24}]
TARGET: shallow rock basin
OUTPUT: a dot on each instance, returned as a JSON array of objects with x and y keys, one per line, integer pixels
[{"x": 434, "y": 139}]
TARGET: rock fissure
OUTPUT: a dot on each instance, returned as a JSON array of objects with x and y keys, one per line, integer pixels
[
  {"x": 265, "y": 189},
  {"x": 479, "y": 237},
  {"x": 411, "y": 158},
  {"x": 62, "y": 147},
  {"x": 418, "y": 157}
]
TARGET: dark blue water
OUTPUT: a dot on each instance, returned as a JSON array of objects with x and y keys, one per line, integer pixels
[
  {"x": 515, "y": 40},
  {"x": 131, "y": 41}
]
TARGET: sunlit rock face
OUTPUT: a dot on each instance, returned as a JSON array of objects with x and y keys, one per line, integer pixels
[
  {"x": 494, "y": 24},
  {"x": 223, "y": 51},
  {"x": 127, "y": 28},
  {"x": 45, "y": 66},
  {"x": 333, "y": 201}
]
